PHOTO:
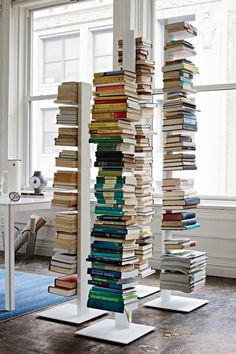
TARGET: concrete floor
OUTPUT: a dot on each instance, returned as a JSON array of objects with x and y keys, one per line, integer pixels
[{"x": 208, "y": 330}]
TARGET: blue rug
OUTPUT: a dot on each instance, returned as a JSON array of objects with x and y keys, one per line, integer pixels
[{"x": 31, "y": 294}]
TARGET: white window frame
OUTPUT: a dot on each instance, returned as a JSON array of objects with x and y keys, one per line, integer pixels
[{"x": 86, "y": 33}]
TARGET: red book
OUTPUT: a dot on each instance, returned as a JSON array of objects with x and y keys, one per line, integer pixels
[
  {"x": 177, "y": 216},
  {"x": 68, "y": 281},
  {"x": 107, "y": 101},
  {"x": 110, "y": 88}
]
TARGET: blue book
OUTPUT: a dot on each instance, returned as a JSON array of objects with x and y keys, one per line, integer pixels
[
  {"x": 106, "y": 305},
  {"x": 107, "y": 255},
  {"x": 188, "y": 120},
  {"x": 105, "y": 285},
  {"x": 190, "y": 215},
  {"x": 192, "y": 201},
  {"x": 110, "y": 230},
  {"x": 108, "y": 208},
  {"x": 106, "y": 245},
  {"x": 118, "y": 262},
  {"x": 183, "y": 79},
  {"x": 115, "y": 291},
  {"x": 104, "y": 273},
  {"x": 193, "y": 226},
  {"x": 185, "y": 75}
]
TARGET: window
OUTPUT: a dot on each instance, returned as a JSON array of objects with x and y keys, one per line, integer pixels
[
  {"x": 69, "y": 42},
  {"x": 61, "y": 59},
  {"x": 216, "y": 84},
  {"x": 102, "y": 51}
]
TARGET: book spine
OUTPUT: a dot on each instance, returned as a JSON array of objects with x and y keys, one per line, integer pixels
[{"x": 105, "y": 305}]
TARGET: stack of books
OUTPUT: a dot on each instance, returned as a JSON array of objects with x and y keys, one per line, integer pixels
[
  {"x": 67, "y": 137},
  {"x": 179, "y": 123},
  {"x": 144, "y": 67},
  {"x": 143, "y": 151},
  {"x": 68, "y": 115},
  {"x": 65, "y": 196},
  {"x": 183, "y": 270},
  {"x": 65, "y": 286},
  {"x": 181, "y": 29},
  {"x": 178, "y": 243},
  {"x": 179, "y": 195},
  {"x": 68, "y": 199},
  {"x": 67, "y": 158},
  {"x": 180, "y": 48},
  {"x": 115, "y": 229},
  {"x": 65, "y": 244},
  {"x": 144, "y": 191},
  {"x": 65, "y": 179},
  {"x": 68, "y": 92}
]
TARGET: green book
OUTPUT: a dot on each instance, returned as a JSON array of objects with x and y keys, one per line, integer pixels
[
  {"x": 106, "y": 139},
  {"x": 113, "y": 295},
  {"x": 109, "y": 212},
  {"x": 105, "y": 298}
]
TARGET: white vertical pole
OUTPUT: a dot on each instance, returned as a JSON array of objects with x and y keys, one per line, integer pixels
[
  {"x": 129, "y": 51},
  {"x": 9, "y": 258},
  {"x": 166, "y": 235},
  {"x": 83, "y": 246},
  {"x": 121, "y": 321}
]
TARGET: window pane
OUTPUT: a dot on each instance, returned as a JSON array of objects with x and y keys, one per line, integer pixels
[
  {"x": 103, "y": 43},
  {"x": 43, "y": 131},
  {"x": 216, "y": 152},
  {"x": 215, "y": 146},
  {"x": 53, "y": 72},
  {"x": 57, "y": 57},
  {"x": 52, "y": 50},
  {"x": 72, "y": 48},
  {"x": 103, "y": 63},
  {"x": 103, "y": 49},
  {"x": 72, "y": 70},
  {"x": 48, "y": 142}
]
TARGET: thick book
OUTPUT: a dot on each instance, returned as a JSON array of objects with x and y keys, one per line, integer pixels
[
  {"x": 62, "y": 291},
  {"x": 130, "y": 260},
  {"x": 68, "y": 282},
  {"x": 178, "y": 216},
  {"x": 111, "y": 284},
  {"x": 112, "y": 274},
  {"x": 61, "y": 270},
  {"x": 106, "y": 305}
]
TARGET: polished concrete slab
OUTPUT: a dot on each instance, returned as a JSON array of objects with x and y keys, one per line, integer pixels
[{"x": 210, "y": 329}]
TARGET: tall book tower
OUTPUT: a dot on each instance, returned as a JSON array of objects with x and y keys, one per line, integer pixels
[
  {"x": 115, "y": 230},
  {"x": 72, "y": 195},
  {"x": 145, "y": 69},
  {"x": 181, "y": 269}
]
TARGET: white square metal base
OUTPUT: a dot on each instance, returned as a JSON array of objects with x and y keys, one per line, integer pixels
[
  {"x": 68, "y": 313},
  {"x": 145, "y": 290},
  {"x": 177, "y": 303},
  {"x": 106, "y": 330}
]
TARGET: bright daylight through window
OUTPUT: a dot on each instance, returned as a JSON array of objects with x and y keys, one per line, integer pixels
[
  {"x": 69, "y": 43},
  {"x": 72, "y": 41},
  {"x": 216, "y": 50}
]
